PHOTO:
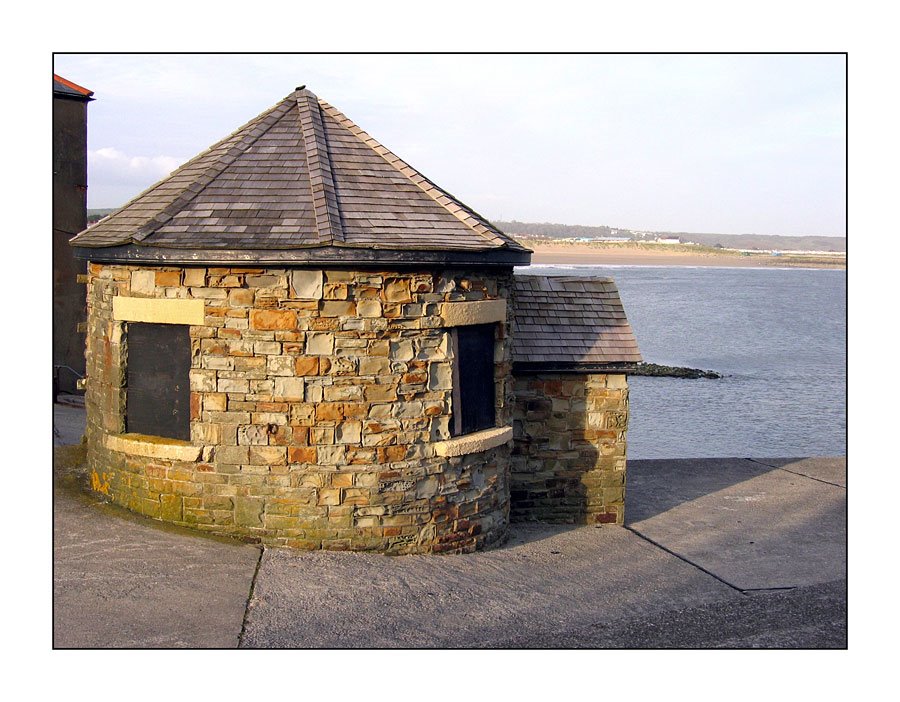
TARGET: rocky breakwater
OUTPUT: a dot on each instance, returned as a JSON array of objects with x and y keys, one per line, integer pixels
[{"x": 660, "y": 371}]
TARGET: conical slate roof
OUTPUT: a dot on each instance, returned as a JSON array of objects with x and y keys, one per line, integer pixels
[{"x": 300, "y": 183}]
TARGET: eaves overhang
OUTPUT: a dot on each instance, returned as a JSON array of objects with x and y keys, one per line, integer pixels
[
  {"x": 343, "y": 257},
  {"x": 574, "y": 367}
]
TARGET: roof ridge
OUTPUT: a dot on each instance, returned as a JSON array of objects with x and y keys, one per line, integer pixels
[
  {"x": 318, "y": 162},
  {"x": 453, "y": 205},
  {"x": 215, "y": 168},
  {"x": 260, "y": 126}
]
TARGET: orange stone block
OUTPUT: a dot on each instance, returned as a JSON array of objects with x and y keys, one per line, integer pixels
[
  {"x": 389, "y": 454},
  {"x": 326, "y": 411},
  {"x": 168, "y": 278},
  {"x": 356, "y": 410},
  {"x": 272, "y": 407},
  {"x": 302, "y": 454},
  {"x": 267, "y": 320},
  {"x": 591, "y": 434},
  {"x": 307, "y": 365},
  {"x": 342, "y": 480}
]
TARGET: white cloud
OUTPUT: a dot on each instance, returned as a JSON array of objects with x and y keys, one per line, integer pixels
[
  {"x": 115, "y": 177},
  {"x": 127, "y": 170}
]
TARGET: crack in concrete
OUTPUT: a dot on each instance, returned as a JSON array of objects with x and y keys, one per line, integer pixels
[
  {"x": 686, "y": 560},
  {"x": 794, "y": 472},
  {"x": 811, "y": 477},
  {"x": 262, "y": 550}
]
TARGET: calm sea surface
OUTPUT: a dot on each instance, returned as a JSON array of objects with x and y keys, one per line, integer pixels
[{"x": 779, "y": 336}]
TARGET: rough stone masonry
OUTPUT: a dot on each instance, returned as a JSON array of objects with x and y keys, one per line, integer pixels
[
  {"x": 316, "y": 399},
  {"x": 568, "y": 459}
]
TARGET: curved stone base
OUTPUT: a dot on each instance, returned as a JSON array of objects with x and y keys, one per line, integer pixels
[{"x": 437, "y": 505}]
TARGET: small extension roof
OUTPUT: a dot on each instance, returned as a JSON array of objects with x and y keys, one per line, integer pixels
[
  {"x": 67, "y": 88},
  {"x": 299, "y": 185},
  {"x": 570, "y": 323}
]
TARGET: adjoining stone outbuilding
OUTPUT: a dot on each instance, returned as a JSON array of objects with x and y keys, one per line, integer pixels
[
  {"x": 572, "y": 348},
  {"x": 298, "y": 338}
]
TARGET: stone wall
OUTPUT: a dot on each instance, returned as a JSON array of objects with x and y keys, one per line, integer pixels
[
  {"x": 568, "y": 458},
  {"x": 316, "y": 401}
]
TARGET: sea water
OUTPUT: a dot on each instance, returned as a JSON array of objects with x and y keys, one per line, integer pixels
[{"x": 778, "y": 335}]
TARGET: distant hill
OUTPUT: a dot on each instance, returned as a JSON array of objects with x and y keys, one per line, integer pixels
[
  {"x": 763, "y": 242},
  {"x": 734, "y": 241}
]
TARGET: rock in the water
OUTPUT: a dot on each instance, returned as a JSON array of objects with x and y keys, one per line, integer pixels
[{"x": 653, "y": 369}]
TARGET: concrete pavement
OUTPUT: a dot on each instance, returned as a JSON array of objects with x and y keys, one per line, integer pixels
[
  {"x": 716, "y": 552},
  {"x": 755, "y": 523}
]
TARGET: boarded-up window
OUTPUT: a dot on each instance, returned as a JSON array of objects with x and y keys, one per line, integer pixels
[
  {"x": 473, "y": 378},
  {"x": 158, "y": 386}
]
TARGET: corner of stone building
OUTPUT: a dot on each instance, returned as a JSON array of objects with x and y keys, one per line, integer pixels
[{"x": 568, "y": 459}]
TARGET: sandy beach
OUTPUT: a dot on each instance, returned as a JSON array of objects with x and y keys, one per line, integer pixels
[{"x": 584, "y": 254}]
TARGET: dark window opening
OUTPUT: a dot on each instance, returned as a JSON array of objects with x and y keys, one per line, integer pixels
[
  {"x": 473, "y": 379},
  {"x": 158, "y": 394}
]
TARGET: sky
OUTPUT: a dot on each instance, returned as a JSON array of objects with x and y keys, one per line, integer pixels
[{"x": 731, "y": 144}]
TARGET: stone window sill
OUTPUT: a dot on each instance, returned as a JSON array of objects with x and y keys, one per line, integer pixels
[
  {"x": 153, "y": 447},
  {"x": 476, "y": 442}
]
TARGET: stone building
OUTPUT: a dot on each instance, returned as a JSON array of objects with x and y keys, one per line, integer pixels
[
  {"x": 298, "y": 338},
  {"x": 69, "y": 217},
  {"x": 572, "y": 346}
]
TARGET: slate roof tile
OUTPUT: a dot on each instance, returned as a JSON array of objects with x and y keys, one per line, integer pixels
[{"x": 570, "y": 320}]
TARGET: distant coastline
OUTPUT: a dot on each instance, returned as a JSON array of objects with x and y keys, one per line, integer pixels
[
  {"x": 549, "y": 249},
  {"x": 646, "y": 254}
]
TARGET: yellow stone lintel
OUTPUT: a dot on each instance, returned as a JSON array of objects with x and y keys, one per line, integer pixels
[
  {"x": 153, "y": 447},
  {"x": 476, "y": 442},
  {"x": 148, "y": 309},
  {"x": 459, "y": 314}
]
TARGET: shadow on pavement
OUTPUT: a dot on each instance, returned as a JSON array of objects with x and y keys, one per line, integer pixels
[{"x": 657, "y": 486}]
